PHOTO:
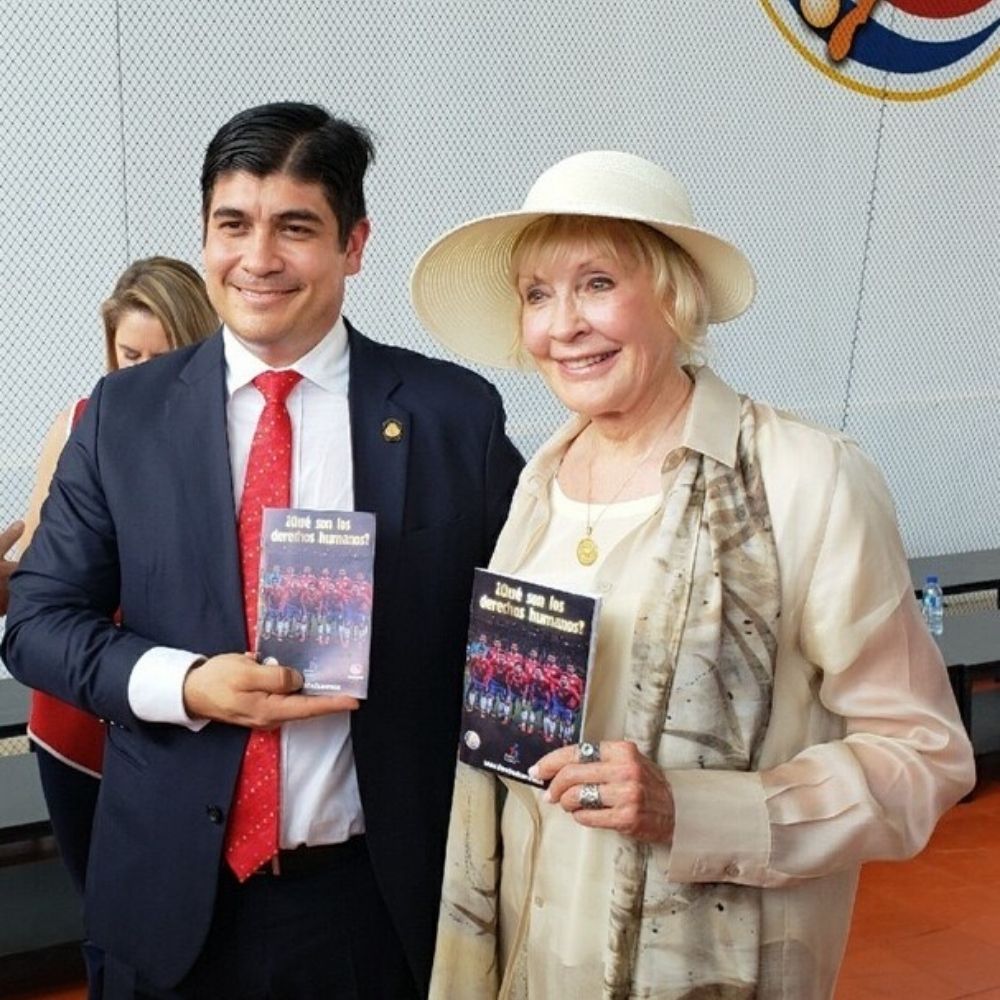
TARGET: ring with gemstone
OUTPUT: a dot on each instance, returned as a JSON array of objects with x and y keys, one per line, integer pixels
[
  {"x": 590, "y": 797},
  {"x": 588, "y": 753}
]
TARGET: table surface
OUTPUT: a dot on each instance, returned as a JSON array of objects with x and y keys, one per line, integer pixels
[
  {"x": 959, "y": 571},
  {"x": 14, "y": 698},
  {"x": 971, "y": 640}
]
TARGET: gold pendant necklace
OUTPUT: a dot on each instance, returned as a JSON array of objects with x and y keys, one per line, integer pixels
[
  {"x": 587, "y": 552},
  {"x": 586, "y": 549}
]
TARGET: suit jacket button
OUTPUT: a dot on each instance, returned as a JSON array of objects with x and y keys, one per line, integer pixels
[{"x": 214, "y": 813}]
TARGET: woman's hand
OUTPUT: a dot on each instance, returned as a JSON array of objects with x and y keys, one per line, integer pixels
[{"x": 634, "y": 795}]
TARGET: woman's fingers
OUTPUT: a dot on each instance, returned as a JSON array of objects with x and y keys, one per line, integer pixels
[{"x": 623, "y": 791}]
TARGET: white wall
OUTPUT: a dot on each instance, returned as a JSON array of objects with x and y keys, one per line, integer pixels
[{"x": 873, "y": 224}]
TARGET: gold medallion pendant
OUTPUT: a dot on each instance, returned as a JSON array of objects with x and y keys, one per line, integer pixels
[{"x": 586, "y": 551}]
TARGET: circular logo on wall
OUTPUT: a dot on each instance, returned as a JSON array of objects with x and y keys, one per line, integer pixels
[{"x": 904, "y": 50}]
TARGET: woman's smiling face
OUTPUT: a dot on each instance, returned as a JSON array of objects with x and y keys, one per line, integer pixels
[{"x": 595, "y": 326}]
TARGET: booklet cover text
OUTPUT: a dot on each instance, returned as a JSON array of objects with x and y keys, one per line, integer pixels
[
  {"x": 316, "y": 590},
  {"x": 527, "y": 662}
]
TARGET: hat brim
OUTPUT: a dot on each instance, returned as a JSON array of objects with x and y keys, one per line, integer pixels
[{"x": 461, "y": 289}]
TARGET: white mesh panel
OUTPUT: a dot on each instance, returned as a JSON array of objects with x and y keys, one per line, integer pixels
[{"x": 872, "y": 228}]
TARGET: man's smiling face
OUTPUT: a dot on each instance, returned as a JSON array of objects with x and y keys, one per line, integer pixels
[{"x": 274, "y": 265}]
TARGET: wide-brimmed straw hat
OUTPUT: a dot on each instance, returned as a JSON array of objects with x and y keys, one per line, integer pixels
[{"x": 461, "y": 284}]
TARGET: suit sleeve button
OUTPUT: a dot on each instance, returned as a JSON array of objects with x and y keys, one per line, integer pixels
[{"x": 214, "y": 813}]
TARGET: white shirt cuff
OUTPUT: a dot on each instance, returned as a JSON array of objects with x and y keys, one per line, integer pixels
[
  {"x": 156, "y": 687},
  {"x": 721, "y": 831}
]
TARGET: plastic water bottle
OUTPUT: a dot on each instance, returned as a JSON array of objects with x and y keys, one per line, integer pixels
[{"x": 933, "y": 605}]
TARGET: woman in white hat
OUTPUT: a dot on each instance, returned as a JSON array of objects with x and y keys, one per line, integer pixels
[{"x": 766, "y": 710}]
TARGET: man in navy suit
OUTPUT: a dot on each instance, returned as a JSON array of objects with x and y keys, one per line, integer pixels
[{"x": 142, "y": 515}]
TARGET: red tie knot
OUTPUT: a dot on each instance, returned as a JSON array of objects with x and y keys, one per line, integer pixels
[{"x": 275, "y": 386}]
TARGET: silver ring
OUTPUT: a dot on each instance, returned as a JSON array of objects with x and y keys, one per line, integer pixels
[
  {"x": 590, "y": 797},
  {"x": 588, "y": 753}
]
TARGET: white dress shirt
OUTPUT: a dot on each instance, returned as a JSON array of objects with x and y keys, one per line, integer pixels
[{"x": 320, "y": 801}]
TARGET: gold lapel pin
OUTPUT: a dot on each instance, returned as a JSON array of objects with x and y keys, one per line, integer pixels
[{"x": 392, "y": 430}]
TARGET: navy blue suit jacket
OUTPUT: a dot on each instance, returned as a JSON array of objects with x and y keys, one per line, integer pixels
[{"x": 140, "y": 515}]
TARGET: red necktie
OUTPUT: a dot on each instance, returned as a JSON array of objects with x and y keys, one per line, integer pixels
[{"x": 252, "y": 833}]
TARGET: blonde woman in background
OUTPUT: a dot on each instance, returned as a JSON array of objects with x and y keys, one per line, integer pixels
[
  {"x": 158, "y": 305},
  {"x": 8, "y": 539},
  {"x": 766, "y": 710}
]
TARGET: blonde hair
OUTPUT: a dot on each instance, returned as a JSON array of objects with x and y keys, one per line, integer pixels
[
  {"x": 675, "y": 277},
  {"x": 167, "y": 289}
]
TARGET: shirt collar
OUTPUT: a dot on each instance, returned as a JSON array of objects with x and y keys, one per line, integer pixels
[
  {"x": 713, "y": 425},
  {"x": 326, "y": 365}
]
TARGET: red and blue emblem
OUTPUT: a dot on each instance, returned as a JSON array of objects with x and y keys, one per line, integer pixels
[{"x": 899, "y": 49}]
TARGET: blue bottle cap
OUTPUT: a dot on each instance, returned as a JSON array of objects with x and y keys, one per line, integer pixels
[{"x": 931, "y": 579}]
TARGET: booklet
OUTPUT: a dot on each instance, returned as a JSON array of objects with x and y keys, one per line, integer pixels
[
  {"x": 315, "y": 610},
  {"x": 527, "y": 662}
]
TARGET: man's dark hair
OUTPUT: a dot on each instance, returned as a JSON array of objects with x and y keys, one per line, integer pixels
[{"x": 301, "y": 140}]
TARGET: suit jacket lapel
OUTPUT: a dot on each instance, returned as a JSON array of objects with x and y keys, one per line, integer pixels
[
  {"x": 197, "y": 418},
  {"x": 380, "y": 442}
]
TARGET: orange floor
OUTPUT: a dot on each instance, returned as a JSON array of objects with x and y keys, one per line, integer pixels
[
  {"x": 926, "y": 929},
  {"x": 929, "y": 929}
]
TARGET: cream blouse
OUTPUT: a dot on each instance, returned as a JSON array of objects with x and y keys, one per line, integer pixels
[
  {"x": 864, "y": 750},
  {"x": 571, "y": 888}
]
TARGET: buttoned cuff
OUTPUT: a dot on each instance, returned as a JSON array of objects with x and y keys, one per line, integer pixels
[
  {"x": 721, "y": 829},
  {"x": 156, "y": 686}
]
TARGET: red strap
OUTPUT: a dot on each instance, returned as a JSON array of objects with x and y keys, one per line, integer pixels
[{"x": 78, "y": 409}]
